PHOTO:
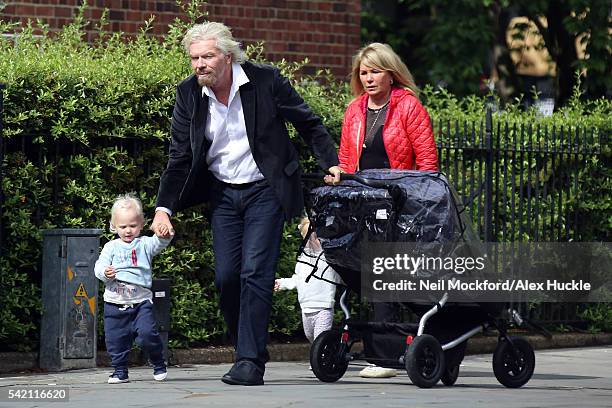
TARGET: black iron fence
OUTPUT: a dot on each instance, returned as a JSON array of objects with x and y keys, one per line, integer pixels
[
  {"x": 523, "y": 183},
  {"x": 520, "y": 182},
  {"x": 526, "y": 181}
]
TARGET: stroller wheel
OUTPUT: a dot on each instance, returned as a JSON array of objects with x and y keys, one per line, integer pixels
[
  {"x": 450, "y": 375},
  {"x": 513, "y": 364},
  {"x": 327, "y": 356},
  {"x": 424, "y": 361}
]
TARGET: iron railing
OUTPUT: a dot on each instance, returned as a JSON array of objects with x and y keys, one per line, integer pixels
[{"x": 526, "y": 182}]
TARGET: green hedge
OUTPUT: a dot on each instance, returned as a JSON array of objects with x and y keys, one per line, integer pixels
[
  {"x": 90, "y": 102},
  {"x": 87, "y": 102}
]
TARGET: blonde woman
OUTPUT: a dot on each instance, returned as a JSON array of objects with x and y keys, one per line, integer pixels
[{"x": 385, "y": 126}]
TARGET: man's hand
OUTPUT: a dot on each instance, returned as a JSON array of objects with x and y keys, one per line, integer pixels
[
  {"x": 334, "y": 176},
  {"x": 161, "y": 226}
]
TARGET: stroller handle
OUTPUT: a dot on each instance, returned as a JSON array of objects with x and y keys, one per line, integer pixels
[
  {"x": 367, "y": 181},
  {"x": 318, "y": 177}
]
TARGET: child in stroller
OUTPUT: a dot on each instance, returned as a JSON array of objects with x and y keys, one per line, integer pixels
[{"x": 404, "y": 206}]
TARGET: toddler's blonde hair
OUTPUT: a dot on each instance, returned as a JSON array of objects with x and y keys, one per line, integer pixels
[{"x": 126, "y": 201}]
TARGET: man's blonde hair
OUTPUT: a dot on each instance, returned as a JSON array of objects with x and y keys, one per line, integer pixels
[
  {"x": 382, "y": 57},
  {"x": 219, "y": 32},
  {"x": 126, "y": 201}
]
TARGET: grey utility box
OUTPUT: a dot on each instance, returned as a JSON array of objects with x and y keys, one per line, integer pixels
[{"x": 69, "y": 298}]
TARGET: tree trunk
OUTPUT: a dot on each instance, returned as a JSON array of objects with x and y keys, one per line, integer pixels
[{"x": 562, "y": 48}]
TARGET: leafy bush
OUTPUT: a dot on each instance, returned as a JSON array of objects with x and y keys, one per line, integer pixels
[
  {"x": 599, "y": 316},
  {"x": 84, "y": 123}
]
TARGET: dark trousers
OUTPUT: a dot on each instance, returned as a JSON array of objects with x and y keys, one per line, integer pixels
[
  {"x": 247, "y": 223},
  {"x": 124, "y": 324}
]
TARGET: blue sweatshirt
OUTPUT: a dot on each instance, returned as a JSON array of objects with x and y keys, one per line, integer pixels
[{"x": 131, "y": 260}]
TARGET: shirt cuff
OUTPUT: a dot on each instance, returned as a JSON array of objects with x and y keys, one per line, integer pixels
[{"x": 164, "y": 209}]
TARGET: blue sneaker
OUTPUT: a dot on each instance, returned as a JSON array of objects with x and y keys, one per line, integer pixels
[
  {"x": 160, "y": 374},
  {"x": 118, "y": 377}
]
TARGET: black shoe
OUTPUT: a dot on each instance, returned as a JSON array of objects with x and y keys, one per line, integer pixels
[{"x": 244, "y": 372}]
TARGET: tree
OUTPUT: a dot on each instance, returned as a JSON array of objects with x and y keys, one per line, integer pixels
[{"x": 460, "y": 42}]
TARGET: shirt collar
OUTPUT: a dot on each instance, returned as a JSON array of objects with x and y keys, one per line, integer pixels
[{"x": 239, "y": 78}]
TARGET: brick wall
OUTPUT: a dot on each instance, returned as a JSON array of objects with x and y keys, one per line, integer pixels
[{"x": 327, "y": 32}]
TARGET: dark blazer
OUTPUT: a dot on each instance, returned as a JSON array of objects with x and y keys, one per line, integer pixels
[{"x": 268, "y": 101}]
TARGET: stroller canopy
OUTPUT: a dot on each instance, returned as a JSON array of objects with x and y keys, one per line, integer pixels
[{"x": 412, "y": 206}]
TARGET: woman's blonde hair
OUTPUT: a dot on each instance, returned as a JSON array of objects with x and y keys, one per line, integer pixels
[
  {"x": 219, "y": 32},
  {"x": 126, "y": 201},
  {"x": 382, "y": 56}
]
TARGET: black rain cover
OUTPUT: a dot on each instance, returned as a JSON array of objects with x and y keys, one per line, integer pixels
[{"x": 418, "y": 207}]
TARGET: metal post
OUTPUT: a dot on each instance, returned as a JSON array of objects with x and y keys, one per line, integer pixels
[
  {"x": 488, "y": 199},
  {"x": 162, "y": 289}
]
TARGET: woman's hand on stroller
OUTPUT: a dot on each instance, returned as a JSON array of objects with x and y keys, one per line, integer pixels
[{"x": 333, "y": 177}]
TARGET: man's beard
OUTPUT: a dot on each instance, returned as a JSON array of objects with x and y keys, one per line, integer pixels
[{"x": 207, "y": 80}]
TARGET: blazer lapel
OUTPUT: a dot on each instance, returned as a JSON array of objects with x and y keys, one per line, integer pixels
[
  {"x": 248, "y": 96},
  {"x": 198, "y": 122}
]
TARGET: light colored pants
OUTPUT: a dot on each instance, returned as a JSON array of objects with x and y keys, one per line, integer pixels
[{"x": 317, "y": 322}]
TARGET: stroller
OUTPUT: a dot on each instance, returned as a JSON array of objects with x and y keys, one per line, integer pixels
[{"x": 415, "y": 207}]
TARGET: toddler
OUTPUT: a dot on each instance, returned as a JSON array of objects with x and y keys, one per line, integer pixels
[
  {"x": 124, "y": 266},
  {"x": 316, "y": 296}
]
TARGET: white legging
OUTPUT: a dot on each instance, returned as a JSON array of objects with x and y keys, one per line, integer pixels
[{"x": 317, "y": 322}]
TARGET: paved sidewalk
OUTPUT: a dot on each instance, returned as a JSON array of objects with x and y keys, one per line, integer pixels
[
  {"x": 18, "y": 362},
  {"x": 578, "y": 377}
]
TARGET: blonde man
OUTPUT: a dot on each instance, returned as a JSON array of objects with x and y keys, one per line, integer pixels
[{"x": 231, "y": 149}]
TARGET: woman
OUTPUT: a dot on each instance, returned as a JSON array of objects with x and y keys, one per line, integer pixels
[{"x": 385, "y": 126}]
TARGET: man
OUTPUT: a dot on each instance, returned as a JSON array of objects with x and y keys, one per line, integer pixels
[{"x": 230, "y": 148}]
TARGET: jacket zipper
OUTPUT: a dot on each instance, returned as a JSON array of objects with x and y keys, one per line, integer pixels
[{"x": 357, "y": 144}]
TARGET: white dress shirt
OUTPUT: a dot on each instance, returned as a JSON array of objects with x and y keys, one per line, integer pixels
[{"x": 229, "y": 156}]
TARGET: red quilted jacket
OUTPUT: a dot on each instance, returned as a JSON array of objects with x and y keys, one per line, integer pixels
[{"x": 407, "y": 134}]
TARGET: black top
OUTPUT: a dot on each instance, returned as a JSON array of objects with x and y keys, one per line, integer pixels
[{"x": 373, "y": 153}]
